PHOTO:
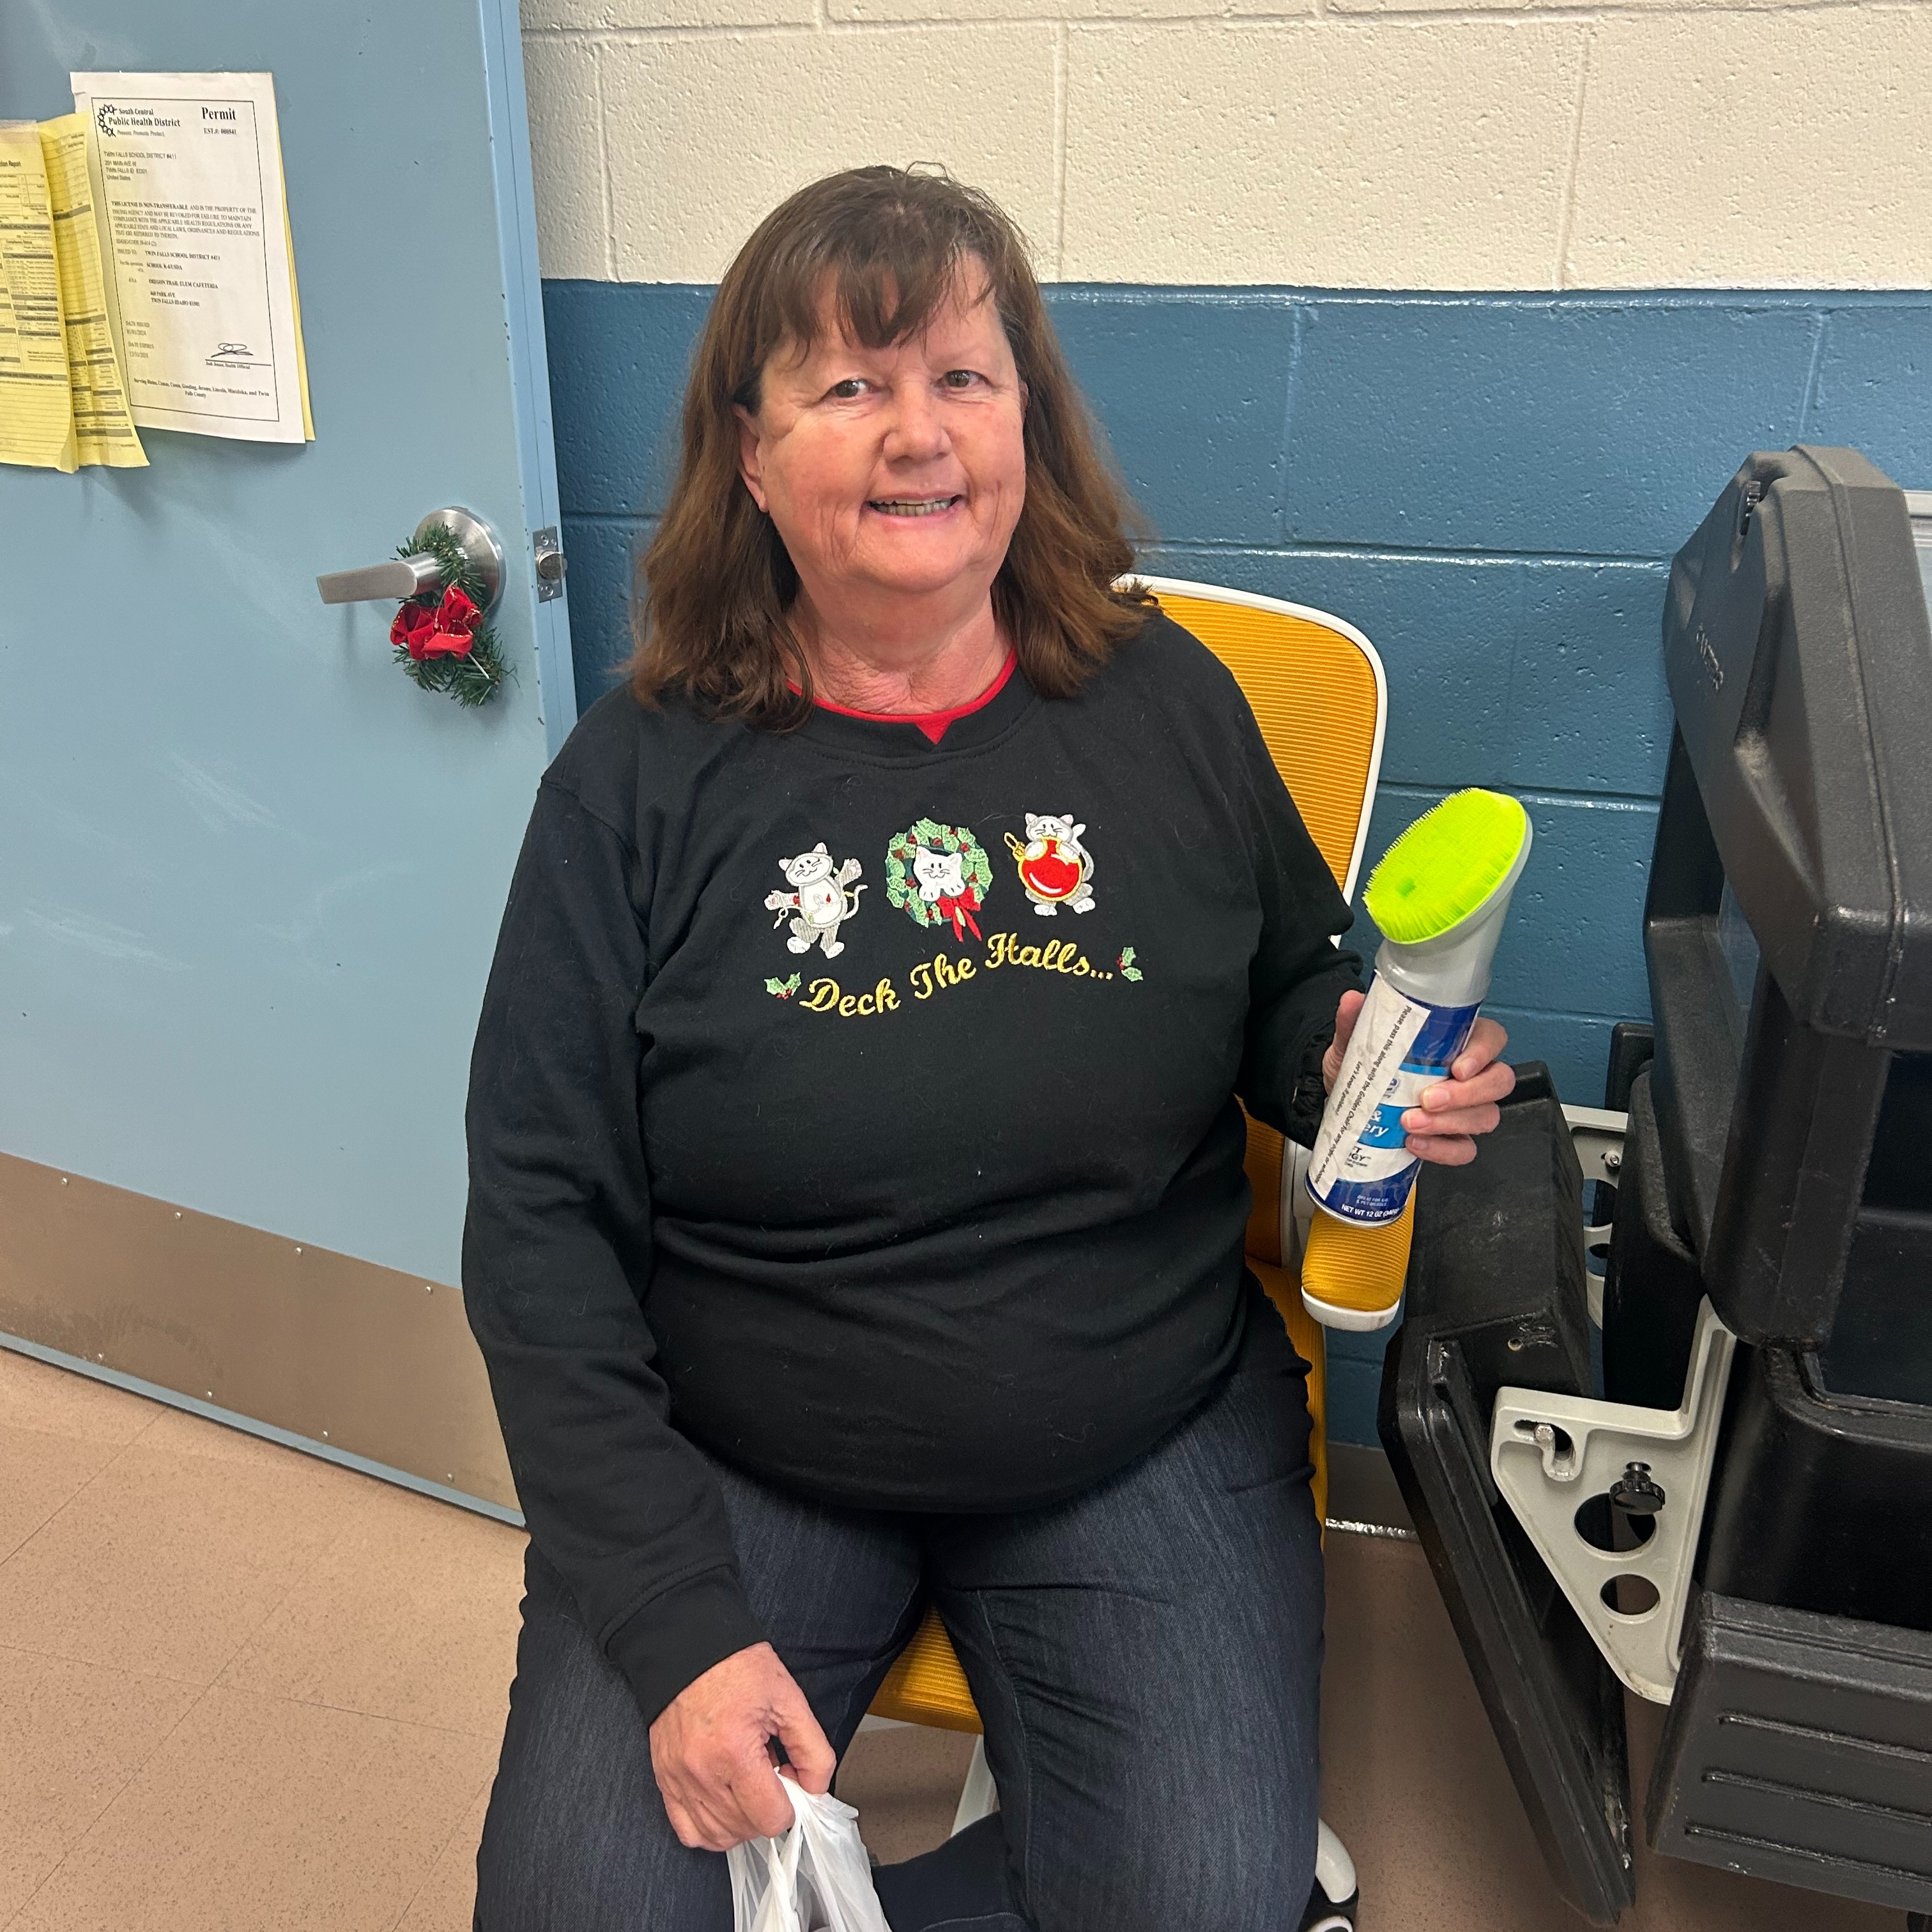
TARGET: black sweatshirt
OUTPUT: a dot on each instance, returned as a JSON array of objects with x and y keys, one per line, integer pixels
[{"x": 862, "y": 1110}]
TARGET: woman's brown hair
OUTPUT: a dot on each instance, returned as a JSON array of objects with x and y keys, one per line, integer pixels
[{"x": 714, "y": 587}]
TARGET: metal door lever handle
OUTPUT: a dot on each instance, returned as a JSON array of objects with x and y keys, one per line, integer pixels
[
  {"x": 412, "y": 576},
  {"x": 404, "y": 577}
]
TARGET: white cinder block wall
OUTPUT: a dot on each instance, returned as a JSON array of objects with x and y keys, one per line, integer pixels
[{"x": 1334, "y": 143}]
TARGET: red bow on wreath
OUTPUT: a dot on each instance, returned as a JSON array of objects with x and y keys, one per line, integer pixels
[
  {"x": 961, "y": 907},
  {"x": 447, "y": 629}
]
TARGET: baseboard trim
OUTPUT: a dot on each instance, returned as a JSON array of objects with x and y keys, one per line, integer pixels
[
  {"x": 326, "y": 1452},
  {"x": 1363, "y": 1497},
  {"x": 337, "y": 1357}
]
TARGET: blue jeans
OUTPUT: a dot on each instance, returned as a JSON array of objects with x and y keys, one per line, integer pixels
[{"x": 1145, "y": 1659}]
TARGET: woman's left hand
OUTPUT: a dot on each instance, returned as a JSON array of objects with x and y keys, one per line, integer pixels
[{"x": 1442, "y": 1128}]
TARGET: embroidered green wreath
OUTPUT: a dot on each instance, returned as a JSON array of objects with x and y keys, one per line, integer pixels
[{"x": 902, "y": 887}]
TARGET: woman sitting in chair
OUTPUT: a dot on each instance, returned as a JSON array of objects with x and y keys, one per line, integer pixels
[{"x": 856, "y": 1204}]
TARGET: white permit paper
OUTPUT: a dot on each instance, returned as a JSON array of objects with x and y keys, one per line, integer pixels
[{"x": 187, "y": 172}]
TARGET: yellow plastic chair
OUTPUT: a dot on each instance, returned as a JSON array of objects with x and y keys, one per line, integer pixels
[{"x": 1318, "y": 692}]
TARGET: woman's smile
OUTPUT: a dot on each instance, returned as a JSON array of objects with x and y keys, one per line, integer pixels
[{"x": 913, "y": 506}]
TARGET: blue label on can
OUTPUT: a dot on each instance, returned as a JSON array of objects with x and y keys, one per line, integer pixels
[
  {"x": 1362, "y": 1170},
  {"x": 1384, "y": 1127},
  {"x": 1445, "y": 1032}
]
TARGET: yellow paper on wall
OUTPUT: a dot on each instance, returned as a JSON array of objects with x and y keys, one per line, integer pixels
[
  {"x": 36, "y": 400},
  {"x": 301, "y": 354},
  {"x": 103, "y": 429}
]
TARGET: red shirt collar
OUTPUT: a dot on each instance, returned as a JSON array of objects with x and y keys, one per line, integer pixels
[{"x": 932, "y": 723}]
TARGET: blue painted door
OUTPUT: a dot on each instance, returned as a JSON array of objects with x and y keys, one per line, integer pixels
[{"x": 251, "y": 876}]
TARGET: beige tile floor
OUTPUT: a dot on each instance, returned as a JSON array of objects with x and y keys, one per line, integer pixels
[{"x": 241, "y": 1690}]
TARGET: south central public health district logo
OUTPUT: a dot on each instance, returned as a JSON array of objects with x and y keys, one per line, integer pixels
[{"x": 111, "y": 119}]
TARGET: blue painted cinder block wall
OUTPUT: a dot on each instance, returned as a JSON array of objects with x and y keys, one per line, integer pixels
[{"x": 1491, "y": 487}]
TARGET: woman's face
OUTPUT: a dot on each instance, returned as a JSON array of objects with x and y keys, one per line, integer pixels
[{"x": 894, "y": 471}]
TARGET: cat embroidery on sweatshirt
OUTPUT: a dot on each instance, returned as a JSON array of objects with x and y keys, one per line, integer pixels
[
  {"x": 819, "y": 897},
  {"x": 1055, "y": 869},
  {"x": 938, "y": 874}
]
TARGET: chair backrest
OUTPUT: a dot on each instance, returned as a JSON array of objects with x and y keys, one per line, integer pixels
[
  {"x": 1319, "y": 695},
  {"x": 1317, "y": 689}
]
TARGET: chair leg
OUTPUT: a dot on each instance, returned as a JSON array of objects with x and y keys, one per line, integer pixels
[
  {"x": 1331, "y": 1906},
  {"x": 978, "y": 1798}
]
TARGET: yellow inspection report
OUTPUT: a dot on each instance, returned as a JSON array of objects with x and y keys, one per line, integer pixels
[
  {"x": 103, "y": 429},
  {"x": 36, "y": 401}
]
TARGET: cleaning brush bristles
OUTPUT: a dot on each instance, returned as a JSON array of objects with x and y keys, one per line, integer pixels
[{"x": 1445, "y": 866}]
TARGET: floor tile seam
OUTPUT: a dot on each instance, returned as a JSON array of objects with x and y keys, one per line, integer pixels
[
  {"x": 241, "y": 1640},
  {"x": 325, "y": 1549},
  {"x": 39, "y": 1528},
  {"x": 81, "y": 1836},
  {"x": 328, "y": 1549},
  {"x": 97, "y": 1663},
  {"x": 303, "y": 1476},
  {"x": 300, "y": 1466},
  {"x": 7, "y": 1555},
  {"x": 435, "y": 1857},
  {"x": 84, "y": 1441},
  {"x": 256, "y": 1629},
  {"x": 233, "y": 1690}
]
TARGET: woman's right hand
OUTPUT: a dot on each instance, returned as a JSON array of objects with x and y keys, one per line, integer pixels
[{"x": 711, "y": 1751}]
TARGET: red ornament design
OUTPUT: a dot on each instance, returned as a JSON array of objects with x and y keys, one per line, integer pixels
[{"x": 1052, "y": 874}]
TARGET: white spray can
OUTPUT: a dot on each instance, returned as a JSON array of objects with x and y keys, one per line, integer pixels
[{"x": 1422, "y": 1003}]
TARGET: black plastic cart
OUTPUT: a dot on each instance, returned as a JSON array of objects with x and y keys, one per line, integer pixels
[{"x": 1737, "y": 1521}]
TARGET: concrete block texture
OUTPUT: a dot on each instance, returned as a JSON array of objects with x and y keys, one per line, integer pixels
[
  {"x": 603, "y": 553},
  {"x": 1542, "y": 673},
  {"x": 1035, "y": 9},
  {"x": 1390, "y": 155},
  {"x": 1874, "y": 390},
  {"x": 1203, "y": 456},
  {"x": 1754, "y": 148},
  {"x": 573, "y": 213},
  {"x": 1576, "y": 1047},
  {"x": 1385, "y": 144},
  {"x": 1594, "y": 428},
  {"x": 617, "y": 368},
  {"x": 1057, "y": 10},
  {"x": 707, "y": 133},
  {"x": 1494, "y": 145},
  {"x": 595, "y": 16}
]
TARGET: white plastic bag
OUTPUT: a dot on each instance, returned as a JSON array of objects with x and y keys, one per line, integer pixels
[{"x": 813, "y": 1878}]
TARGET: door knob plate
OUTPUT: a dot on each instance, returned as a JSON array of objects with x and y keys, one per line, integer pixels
[{"x": 480, "y": 546}]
